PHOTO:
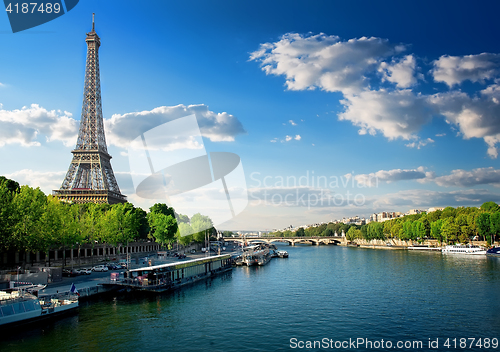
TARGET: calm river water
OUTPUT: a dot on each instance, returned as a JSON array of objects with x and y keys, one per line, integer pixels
[{"x": 328, "y": 294}]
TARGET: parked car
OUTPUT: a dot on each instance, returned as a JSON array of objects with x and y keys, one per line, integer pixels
[
  {"x": 86, "y": 271},
  {"x": 193, "y": 250},
  {"x": 70, "y": 273},
  {"x": 181, "y": 256},
  {"x": 100, "y": 268}
]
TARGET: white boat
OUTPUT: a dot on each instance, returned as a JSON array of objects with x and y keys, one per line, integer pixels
[
  {"x": 464, "y": 249},
  {"x": 256, "y": 255},
  {"x": 282, "y": 254},
  {"x": 19, "y": 306}
]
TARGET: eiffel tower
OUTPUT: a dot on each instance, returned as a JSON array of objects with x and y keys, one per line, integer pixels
[{"x": 90, "y": 178}]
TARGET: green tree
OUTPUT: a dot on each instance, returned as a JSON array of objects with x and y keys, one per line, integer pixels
[
  {"x": 483, "y": 223},
  {"x": 183, "y": 229},
  {"x": 396, "y": 229},
  {"x": 490, "y": 207},
  {"x": 200, "y": 224},
  {"x": 32, "y": 231},
  {"x": 353, "y": 233},
  {"x": 418, "y": 230},
  {"x": 406, "y": 231},
  {"x": 450, "y": 230},
  {"x": 448, "y": 212},
  {"x": 7, "y": 218},
  {"x": 328, "y": 232},
  {"x": 300, "y": 232},
  {"x": 436, "y": 230},
  {"x": 162, "y": 223},
  {"x": 494, "y": 225},
  {"x": 434, "y": 216},
  {"x": 163, "y": 227}
]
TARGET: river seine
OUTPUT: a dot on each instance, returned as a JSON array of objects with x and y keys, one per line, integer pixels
[{"x": 321, "y": 298}]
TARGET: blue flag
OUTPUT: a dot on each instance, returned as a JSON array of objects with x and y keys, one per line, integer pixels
[{"x": 74, "y": 290}]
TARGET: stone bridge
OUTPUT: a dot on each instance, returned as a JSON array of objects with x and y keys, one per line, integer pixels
[{"x": 335, "y": 240}]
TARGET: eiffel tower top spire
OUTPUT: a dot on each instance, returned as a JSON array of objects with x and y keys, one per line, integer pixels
[
  {"x": 90, "y": 177},
  {"x": 91, "y": 135}
]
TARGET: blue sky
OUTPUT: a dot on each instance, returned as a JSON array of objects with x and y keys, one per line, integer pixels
[{"x": 401, "y": 93}]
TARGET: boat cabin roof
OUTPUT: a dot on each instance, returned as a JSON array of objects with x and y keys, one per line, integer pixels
[{"x": 183, "y": 263}]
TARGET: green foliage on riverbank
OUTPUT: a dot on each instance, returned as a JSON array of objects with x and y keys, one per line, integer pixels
[
  {"x": 30, "y": 221},
  {"x": 451, "y": 225}
]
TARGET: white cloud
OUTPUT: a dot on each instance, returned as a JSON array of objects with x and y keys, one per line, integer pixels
[
  {"x": 419, "y": 144},
  {"x": 122, "y": 129},
  {"x": 456, "y": 69},
  {"x": 401, "y": 72},
  {"x": 463, "y": 178},
  {"x": 476, "y": 117},
  {"x": 457, "y": 178},
  {"x": 350, "y": 67},
  {"x": 440, "y": 134},
  {"x": 424, "y": 198},
  {"x": 288, "y": 138},
  {"x": 397, "y": 114},
  {"x": 23, "y": 126},
  {"x": 46, "y": 180},
  {"x": 325, "y": 62},
  {"x": 298, "y": 137},
  {"x": 274, "y": 140},
  {"x": 292, "y": 123},
  {"x": 388, "y": 176}
]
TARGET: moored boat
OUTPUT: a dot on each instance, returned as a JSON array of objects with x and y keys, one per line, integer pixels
[
  {"x": 282, "y": 254},
  {"x": 464, "y": 249},
  {"x": 493, "y": 251},
  {"x": 423, "y": 247},
  {"x": 20, "y": 307}
]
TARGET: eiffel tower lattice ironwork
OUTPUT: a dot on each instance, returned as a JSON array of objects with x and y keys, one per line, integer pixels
[{"x": 90, "y": 178}]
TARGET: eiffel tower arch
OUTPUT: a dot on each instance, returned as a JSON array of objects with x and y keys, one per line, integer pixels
[{"x": 90, "y": 177}]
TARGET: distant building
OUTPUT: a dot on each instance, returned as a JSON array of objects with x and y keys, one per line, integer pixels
[{"x": 430, "y": 210}]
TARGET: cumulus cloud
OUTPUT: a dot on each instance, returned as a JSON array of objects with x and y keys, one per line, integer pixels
[
  {"x": 464, "y": 178},
  {"x": 298, "y": 137},
  {"x": 454, "y": 70},
  {"x": 46, "y": 180},
  {"x": 419, "y": 144},
  {"x": 401, "y": 72},
  {"x": 357, "y": 67},
  {"x": 388, "y": 176},
  {"x": 425, "y": 198},
  {"x": 288, "y": 138},
  {"x": 122, "y": 129},
  {"x": 396, "y": 114},
  {"x": 475, "y": 117},
  {"x": 23, "y": 126},
  {"x": 291, "y": 122},
  {"x": 457, "y": 178},
  {"x": 322, "y": 61}
]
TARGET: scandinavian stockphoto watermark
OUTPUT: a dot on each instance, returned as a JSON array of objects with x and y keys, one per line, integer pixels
[
  {"x": 169, "y": 164},
  {"x": 28, "y": 14},
  {"x": 309, "y": 190}
]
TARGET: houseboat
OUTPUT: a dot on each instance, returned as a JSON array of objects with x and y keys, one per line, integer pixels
[{"x": 164, "y": 277}]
